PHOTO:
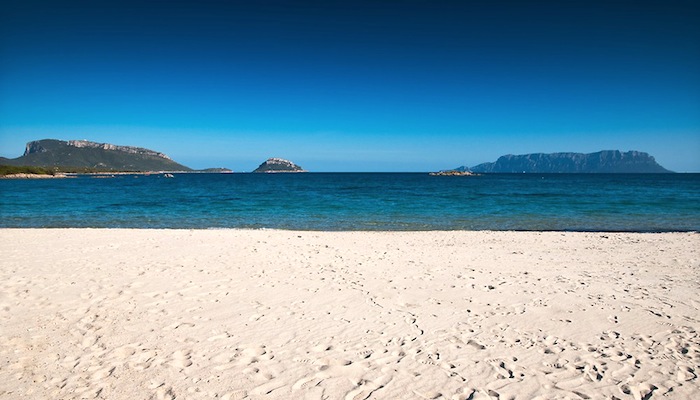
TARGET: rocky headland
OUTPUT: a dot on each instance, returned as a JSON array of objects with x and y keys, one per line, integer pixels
[{"x": 51, "y": 153}]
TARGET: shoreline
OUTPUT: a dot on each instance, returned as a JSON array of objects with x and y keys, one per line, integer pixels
[
  {"x": 35, "y": 176},
  {"x": 352, "y": 231},
  {"x": 265, "y": 313}
]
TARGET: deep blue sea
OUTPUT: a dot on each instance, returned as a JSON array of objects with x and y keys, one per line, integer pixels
[{"x": 359, "y": 201}]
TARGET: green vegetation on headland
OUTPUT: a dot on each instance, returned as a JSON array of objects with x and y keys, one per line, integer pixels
[
  {"x": 12, "y": 170},
  {"x": 6, "y": 170}
]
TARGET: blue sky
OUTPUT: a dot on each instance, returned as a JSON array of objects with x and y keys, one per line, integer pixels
[{"x": 357, "y": 85}]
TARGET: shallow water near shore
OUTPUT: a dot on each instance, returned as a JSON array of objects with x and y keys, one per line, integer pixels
[{"x": 359, "y": 201}]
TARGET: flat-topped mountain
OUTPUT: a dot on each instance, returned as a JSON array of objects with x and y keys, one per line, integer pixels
[
  {"x": 100, "y": 156},
  {"x": 276, "y": 165},
  {"x": 607, "y": 161}
]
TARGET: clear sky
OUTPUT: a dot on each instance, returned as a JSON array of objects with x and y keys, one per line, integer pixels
[{"x": 357, "y": 85}]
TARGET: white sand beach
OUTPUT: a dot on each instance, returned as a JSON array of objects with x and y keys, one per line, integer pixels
[{"x": 258, "y": 314}]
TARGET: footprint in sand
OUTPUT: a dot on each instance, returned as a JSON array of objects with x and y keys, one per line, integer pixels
[
  {"x": 307, "y": 382},
  {"x": 467, "y": 394},
  {"x": 89, "y": 341},
  {"x": 143, "y": 360},
  {"x": 502, "y": 371},
  {"x": 267, "y": 388},
  {"x": 254, "y": 351},
  {"x": 235, "y": 395},
  {"x": 322, "y": 347},
  {"x": 181, "y": 359},
  {"x": 428, "y": 395},
  {"x": 179, "y": 325},
  {"x": 340, "y": 362},
  {"x": 366, "y": 389},
  {"x": 124, "y": 352},
  {"x": 641, "y": 391},
  {"x": 163, "y": 392},
  {"x": 225, "y": 360},
  {"x": 475, "y": 345},
  {"x": 102, "y": 373},
  {"x": 224, "y": 335},
  {"x": 365, "y": 353},
  {"x": 685, "y": 374}
]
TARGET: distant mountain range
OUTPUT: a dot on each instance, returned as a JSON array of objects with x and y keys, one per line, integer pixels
[
  {"x": 51, "y": 153},
  {"x": 607, "y": 161}
]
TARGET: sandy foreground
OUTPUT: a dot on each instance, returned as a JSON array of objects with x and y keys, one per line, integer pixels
[{"x": 232, "y": 314}]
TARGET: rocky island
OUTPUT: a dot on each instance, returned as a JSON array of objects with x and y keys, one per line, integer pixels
[
  {"x": 607, "y": 161},
  {"x": 453, "y": 172},
  {"x": 278, "y": 165}
]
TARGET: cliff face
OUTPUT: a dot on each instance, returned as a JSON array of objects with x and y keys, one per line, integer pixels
[
  {"x": 275, "y": 165},
  {"x": 608, "y": 161},
  {"x": 42, "y": 146},
  {"x": 103, "y": 156}
]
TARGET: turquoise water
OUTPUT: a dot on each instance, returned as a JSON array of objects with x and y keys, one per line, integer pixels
[{"x": 349, "y": 201}]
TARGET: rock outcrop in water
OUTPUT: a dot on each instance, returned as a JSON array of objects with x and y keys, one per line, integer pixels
[
  {"x": 608, "y": 161},
  {"x": 51, "y": 153},
  {"x": 453, "y": 172},
  {"x": 278, "y": 165}
]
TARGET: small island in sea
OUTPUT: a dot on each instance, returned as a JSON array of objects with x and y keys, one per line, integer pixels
[
  {"x": 453, "y": 172},
  {"x": 278, "y": 165},
  {"x": 219, "y": 170}
]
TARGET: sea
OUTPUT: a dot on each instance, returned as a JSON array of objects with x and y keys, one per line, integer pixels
[{"x": 358, "y": 202}]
